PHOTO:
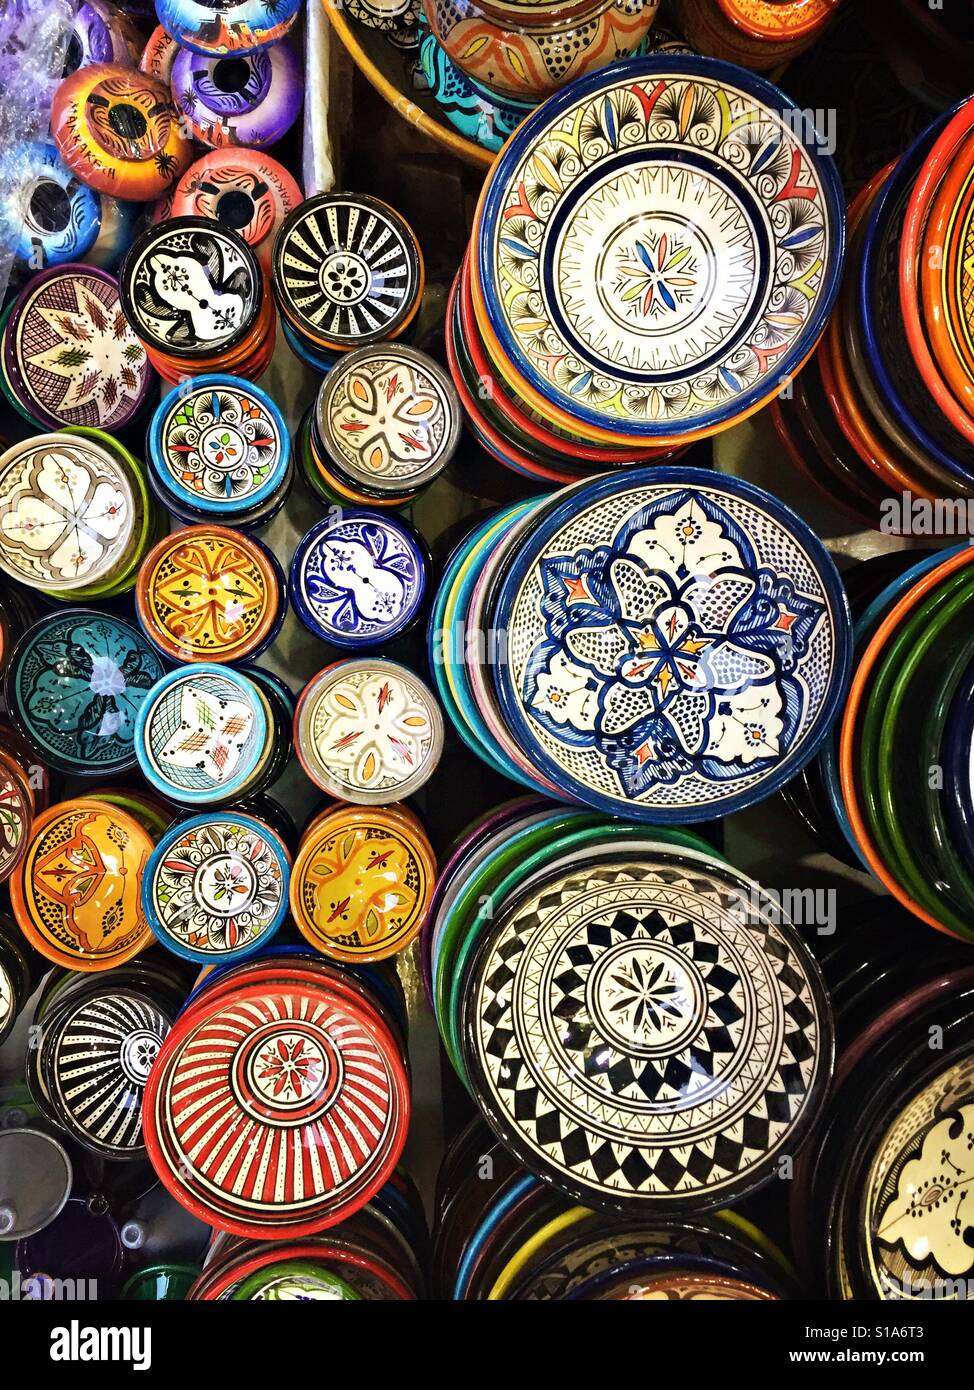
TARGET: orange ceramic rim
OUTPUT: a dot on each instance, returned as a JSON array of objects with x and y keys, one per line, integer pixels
[
  {"x": 345, "y": 493},
  {"x": 780, "y": 21},
  {"x": 917, "y": 296},
  {"x": 951, "y": 212},
  {"x": 443, "y": 134},
  {"x": 234, "y": 642},
  {"x": 25, "y": 916},
  {"x": 847, "y": 737},
  {"x": 340, "y": 832}
]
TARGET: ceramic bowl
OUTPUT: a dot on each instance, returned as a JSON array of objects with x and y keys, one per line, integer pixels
[
  {"x": 47, "y": 216},
  {"x": 761, "y": 34},
  {"x": 527, "y": 51},
  {"x": 634, "y": 367},
  {"x": 609, "y": 729},
  {"x": 243, "y": 189}
]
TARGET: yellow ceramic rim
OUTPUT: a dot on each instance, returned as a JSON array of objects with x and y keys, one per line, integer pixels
[{"x": 531, "y": 1247}]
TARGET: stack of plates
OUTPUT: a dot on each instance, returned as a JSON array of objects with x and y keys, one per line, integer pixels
[
  {"x": 633, "y": 1017},
  {"x": 663, "y": 644},
  {"x": 901, "y": 779},
  {"x": 884, "y": 408},
  {"x": 878, "y": 1203},
  {"x": 654, "y": 254},
  {"x": 296, "y": 1071},
  {"x": 501, "y": 1233}
]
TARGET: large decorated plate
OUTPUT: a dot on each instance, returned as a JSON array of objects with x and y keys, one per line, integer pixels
[
  {"x": 639, "y": 1031},
  {"x": 677, "y": 644},
  {"x": 278, "y": 1109},
  {"x": 659, "y": 247}
]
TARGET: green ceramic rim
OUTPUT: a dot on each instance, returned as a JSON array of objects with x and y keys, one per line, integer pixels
[
  {"x": 910, "y": 644},
  {"x": 489, "y": 872},
  {"x": 181, "y": 1277},
  {"x": 946, "y": 856},
  {"x": 910, "y": 870},
  {"x": 605, "y": 833}
]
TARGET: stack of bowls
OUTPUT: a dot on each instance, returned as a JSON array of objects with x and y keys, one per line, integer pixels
[
  {"x": 900, "y": 778},
  {"x": 377, "y": 1254},
  {"x": 615, "y": 301},
  {"x": 524, "y": 1241},
  {"x": 582, "y": 967},
  {"x": 883, "y": 407},
  {"x": 877, "y": 1202},
  {"x": 385, "y": 424},
  {"x": 290, "y": 1049},
  {"x": 347, "y": 271},
  {"x": 195, "y": 294},
  {"x": 77, "y": 514},
  {"x": 219, "y": 450},
  {"x": 579, "y": 646}
]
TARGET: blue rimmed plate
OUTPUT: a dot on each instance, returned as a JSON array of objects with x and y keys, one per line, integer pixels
[
  {"x": 215, "y": 887},
  {"x": 659, "y": 247},
  {"x": 678, "y": 644}
]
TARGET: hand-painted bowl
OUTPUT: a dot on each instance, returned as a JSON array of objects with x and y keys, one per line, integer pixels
[
  {"x": 245, "y": 190},
  {"x": 668, "y": 278}
]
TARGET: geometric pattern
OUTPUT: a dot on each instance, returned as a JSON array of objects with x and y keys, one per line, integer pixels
[{"x": 639, "y": 1037}]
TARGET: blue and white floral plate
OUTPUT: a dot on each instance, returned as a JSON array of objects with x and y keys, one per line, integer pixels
[
  {"x": 657, "y": 248},
  {"x": 677, "y": 644}
]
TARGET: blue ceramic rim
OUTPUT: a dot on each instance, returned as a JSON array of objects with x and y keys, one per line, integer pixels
[
  {"x": 342, "y": 516},
  {"x": 488, "y": 751},
  {"x": 652, "y": 65},
  {"x": 175, "y": 832},
  {"x": 245, "y": 522},
  {"x": 51, "y": 757},
  {"x": 693, "y": 479},
  {"x": 319, "y": 362},
  {"x": 182, "y": 494},
  {"x": 900, "y": 181},
  {"x": 44, "y": 163},
  {"x": 214, "y": 796},
  {"x": 862, "y": 631},
  {"x": 664, "y": 1262},
  {"x": 487, "y": 1224},
  {"x": 277, "y": 682}
]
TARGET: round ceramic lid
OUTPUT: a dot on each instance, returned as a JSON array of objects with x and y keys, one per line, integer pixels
[
  {"x": 362, "y": 883},
  {"x": 678, "y": 644},
  {"x": 191, "y": 287},
  {"x": 76, "y": 894},
  {"x": 918, "y": 1232},
  {"x": 208, "y": 593},
  {"x": 679, "y": 265},
  {"x": 74, "y": 684},
  {"x": 389, "y": 416},
  {"x": 219, "y": 442},
  {"x": 369, "y": 731},
  {"x": 279, "y": 1109},
  {"x": 347, "y": 270},
  {"x": 639, "y": 1033},
  {"x": 358, "y": 578},
  {"x": 95, "y": 1058},
  {"x": 201, "y": 733},
  {"x": 70, "y": 353},
  {"x": 67, "y": 513},
  {"x": 216, "y": 887}
]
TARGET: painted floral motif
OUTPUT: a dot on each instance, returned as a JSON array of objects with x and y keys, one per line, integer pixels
[
  {"x": 214, "y": 732},
  {"x": 65, "y": 513},
  {"x": 658, "y": 275},
  {"x": 389, "y": 418},
  {"x": 72, "y": 347},
  {"x": 220, "y": 445},
  {"x": 366, "y": 887},
  {"x": 753, "y": 206},
  {"x": 80, "y": 684},
  {"x": 288, "y": 1069},
  {"x": 218, "y": 887},
  {"x": 672, "y": 651},
  {"x": 208, "y": 597},
  {"x": 362, "y": 578},
  {"x": 371, "y": 730}
]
